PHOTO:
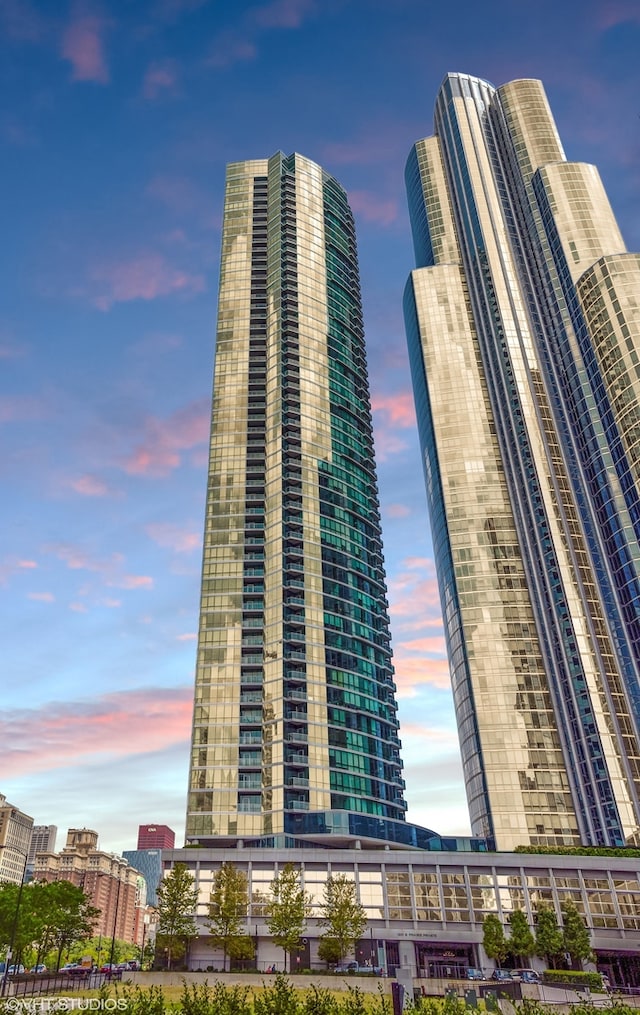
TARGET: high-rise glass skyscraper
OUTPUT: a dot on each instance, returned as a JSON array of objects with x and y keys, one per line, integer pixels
[
  {"x": 295, "y": 731},
  {"x": 523, "y": 324}
]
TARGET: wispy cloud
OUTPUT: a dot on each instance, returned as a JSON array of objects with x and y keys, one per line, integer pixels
[
  {"x": 111, "y": 568},
  {"x": 148, "y": 276},
  {"x": 373, "y": 208},
  {"x": 108, "y": 727},
  {"x": 89, "y": 486},
  {"x": 282, "y": 13},
  {"x": 164, "y": 440},
  {"x": 161, "y": 79},
  {"x": 174, "y": 537},
  {"x": 11, "y": 566},
  {"x": 229, "y": 48},
  {"x": 190, "y": 636},
  {"x": 397, "y": 511},
  {"x": 617, "y": 12},
  {"x": 399, "y": 409},
  {"x": 419, "y": 648},
  {"x": 172, "y": 10},
  {"x": 83, "y": 47},
  {"x": 42, "y": 597},
  {"x": 240, "y": 44}
]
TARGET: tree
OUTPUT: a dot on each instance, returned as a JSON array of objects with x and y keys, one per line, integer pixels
[
  {"x": 50, "y": 916},
  {"x": 177, "y": 901},
  {"x": 521, "y": 941},
  {"x": 493, "y": 940},
  {"x": 575, "y": 935},
  {"x": 344, "y": 917},
  {"x": 549, "y": 943},
  {"x": 287, "y": 910},
  {"x": 228, "y": 905}
]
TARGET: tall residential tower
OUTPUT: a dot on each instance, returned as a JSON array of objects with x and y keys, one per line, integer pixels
[
  {"x": 295, "y": 731},
  {"x": 523, "y": 323}
]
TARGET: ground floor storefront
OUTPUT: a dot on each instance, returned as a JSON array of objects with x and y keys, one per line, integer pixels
[{"x": 425, "y": 910}]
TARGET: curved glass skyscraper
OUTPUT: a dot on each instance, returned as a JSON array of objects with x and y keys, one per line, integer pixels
[
  {"x": 523, "y": 324},
  {"x": 295, "y": 731}
]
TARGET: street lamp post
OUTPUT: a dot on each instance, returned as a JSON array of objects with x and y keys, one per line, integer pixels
[
  {"x": 14, "y": 925},
  {"x": 115, "y": 927}
]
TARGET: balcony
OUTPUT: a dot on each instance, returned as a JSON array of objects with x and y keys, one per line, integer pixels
[
  {"x": 296, "y": 737},
  {"x": 251, "y": 718},
  {"x": 295, "y": 715},
  {"x": 298, "y": 780}
]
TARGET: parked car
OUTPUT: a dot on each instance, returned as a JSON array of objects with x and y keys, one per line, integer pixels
[
  {"x": 502, "y": 974},
  {"x": 15, "y": 970},
  {"x": 40, "y": 968},
  {"x": 474, "y": 974},
  {"x": 133, "y": 964},
  {"x": 525, "y": 975},
  {"x": 354, "y": 967},
  {"x": 108, "y": 967}
]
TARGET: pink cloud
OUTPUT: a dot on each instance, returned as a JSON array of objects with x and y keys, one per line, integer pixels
[
  {"x": 282, "y": 13},
  {"x": 111, "y": 604},
  {"x": 21, "y": 408},
  {"x": 230, "y": 48},
  {"x": 388, "y": 445},
  {"x": 164, "y": 439},
  {"x": 412, "y": 674},
  {"x": 397, "y": 511},
  {"x": 187, "y": 637},
  {"x": 83, "y": 47},
  {"x": 42, "y": 597},
  {"x": 78, "y": 559},
  {"x": 145, "y": 277},
  {"x": 372, "y": 208},
  {"x": 422, "y": 563},
  {"x": 11, "y": 566},
  {"x": 414, "y": 600},
  {"x": 110, "y": 568},
  {"x": 433, "y": 645},
  {"x": 78, "y": 607},
  {"x": 89, "y": 486},
  {"x": 173, "y": 537},
  {"x": 161, "y": 78},
  {"x": 239, "y": 45},
  {"x": 399, "y": 409},
  {"x": 617, "y": 12},
  {"x": 170, "y": 10},
  {"x": 75, "y": 733},
  {"x": 132, "y": 581}
]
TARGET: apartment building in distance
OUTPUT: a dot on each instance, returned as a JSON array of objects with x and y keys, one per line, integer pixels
[{"x": 15, "y": 835}]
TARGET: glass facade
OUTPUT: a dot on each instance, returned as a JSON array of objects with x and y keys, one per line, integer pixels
[
  {"x": 523, "y": 330},
  {"x": 424, "y": 908},
  {"x": 295, "y": 714}
]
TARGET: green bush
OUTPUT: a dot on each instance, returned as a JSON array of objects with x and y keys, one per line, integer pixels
[{"x": 573, "y": 978}]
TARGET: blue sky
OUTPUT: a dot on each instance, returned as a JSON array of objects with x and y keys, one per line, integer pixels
[{"x": 116, "y": 122}]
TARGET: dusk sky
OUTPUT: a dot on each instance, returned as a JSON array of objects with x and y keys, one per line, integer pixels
[{"x": 116, "y": 122}]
